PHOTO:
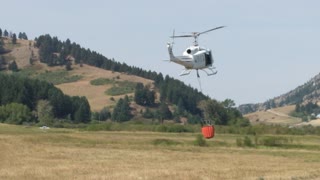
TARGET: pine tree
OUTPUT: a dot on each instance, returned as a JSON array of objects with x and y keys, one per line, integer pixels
[
  {"x": 24, "y": 36},
  {"x": 68, "y": 66},
  {"x": 13, "y": 66},
  {"x": 14, "y": 38},
  {"x": 5, "y": 33},
  {"x": 2, "y": 50},
  {"x": 143, "y": 96},
  {"x": 2, "y": 61},
  {"x": 79, "y": 115},
  {"x": 0, "y": 32},
  {"x": 139, "y": 94},
  {"x": 104, "y": 114},
  {"x": 164, "y": 111},
  {"x": 121, "y": 111}
]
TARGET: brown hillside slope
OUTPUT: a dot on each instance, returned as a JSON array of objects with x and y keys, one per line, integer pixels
[
  {"x": 280, "y": 116},
  {"x": 274, "y": 116},
  {"x": 96, "y": 94},
  {"x": 21, "y": 52}
]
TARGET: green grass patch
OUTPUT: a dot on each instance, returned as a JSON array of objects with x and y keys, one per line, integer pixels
[
  {"x": 137, "y": 126},
  {"x": 165, "y": 142},
  {"x": 28, "y": 129},
  {"x": 54, "y": 77},
  {"x": 58, "y": 77},
  {"x": 102, "y": 81},
  {"x": 174, "y": 128},
  {"x": 121, "y": 88}
]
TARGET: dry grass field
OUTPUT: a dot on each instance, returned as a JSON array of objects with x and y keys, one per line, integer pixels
[{"x": 32, "y": 153}]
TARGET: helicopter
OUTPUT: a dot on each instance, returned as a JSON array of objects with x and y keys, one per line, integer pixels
[{"x": 194, "y": 57}]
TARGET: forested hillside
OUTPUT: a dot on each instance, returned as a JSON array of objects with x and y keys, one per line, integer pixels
[
  {"x": 55, "y": 52},
  {"x": 175, "y": 100}
]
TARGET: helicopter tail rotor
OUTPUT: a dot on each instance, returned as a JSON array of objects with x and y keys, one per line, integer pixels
[{"x": 173, "y": 36}]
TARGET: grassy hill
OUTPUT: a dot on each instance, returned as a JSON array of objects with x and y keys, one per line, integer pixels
[{"x": 75, "y": 82}]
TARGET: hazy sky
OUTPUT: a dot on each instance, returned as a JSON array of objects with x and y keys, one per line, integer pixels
[{"x": 268, "y": 48}]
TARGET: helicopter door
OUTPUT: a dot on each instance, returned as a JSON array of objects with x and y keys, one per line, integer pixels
[{"x": 208, "y": 58}]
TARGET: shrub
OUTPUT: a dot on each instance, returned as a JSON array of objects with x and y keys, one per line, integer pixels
[
  {"x": 246, "y": 141},
  {"x": 174, "y": 128},
  {"x": 101, "y": 81},
  {"x": 177, "y": 128},
  {"x": 200, "y": 141},
  {"x": 15, "y": 113},
  {"x": 119, "y": 90},
  {"x": 99, "y": 127},
  {"x": 161, "y": 128},
  {"x": 239, "y": 142},
  {"x": 273, "y": 141}
]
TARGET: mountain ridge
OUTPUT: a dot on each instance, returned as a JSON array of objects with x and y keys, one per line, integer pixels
[{"x": 308, "y": 92}]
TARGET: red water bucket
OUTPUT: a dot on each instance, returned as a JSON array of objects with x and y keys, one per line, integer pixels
[{"x": 207, "y": 131}]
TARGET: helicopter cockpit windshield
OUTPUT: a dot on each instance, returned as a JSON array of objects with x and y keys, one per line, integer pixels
[{"x": 208, "y": 58}]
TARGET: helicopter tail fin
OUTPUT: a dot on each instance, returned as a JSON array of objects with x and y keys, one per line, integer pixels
[{"x": 170, "y": 51}]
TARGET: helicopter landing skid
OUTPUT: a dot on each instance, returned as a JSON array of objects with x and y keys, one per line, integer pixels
[
  {"x": 185, "y": 72},
  {"x": 212, "y": 71}
]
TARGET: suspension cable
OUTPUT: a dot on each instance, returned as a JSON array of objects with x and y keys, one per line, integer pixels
[{"x": 199, "y": 81}]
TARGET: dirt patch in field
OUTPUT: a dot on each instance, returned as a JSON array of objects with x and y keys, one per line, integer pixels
[{"x": 312, "y": 122}]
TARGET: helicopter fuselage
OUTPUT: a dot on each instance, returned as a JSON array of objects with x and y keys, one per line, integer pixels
[{"x": 194, "y": 57}]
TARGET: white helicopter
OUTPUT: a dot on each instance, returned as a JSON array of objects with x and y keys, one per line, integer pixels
[{"x": 194, "y": 57}]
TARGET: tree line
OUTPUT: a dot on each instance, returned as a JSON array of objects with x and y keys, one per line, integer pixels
[
  {"x": 5, "y": 33},
  {"x": 18, "y": 92}
]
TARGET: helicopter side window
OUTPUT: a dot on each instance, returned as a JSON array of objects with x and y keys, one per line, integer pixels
[{"x": 188, "y": 51}]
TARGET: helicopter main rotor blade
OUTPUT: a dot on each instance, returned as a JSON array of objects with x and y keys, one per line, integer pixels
[
  {"x": 182, "y": 36},
  {"x": 210, "y": 30}
]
